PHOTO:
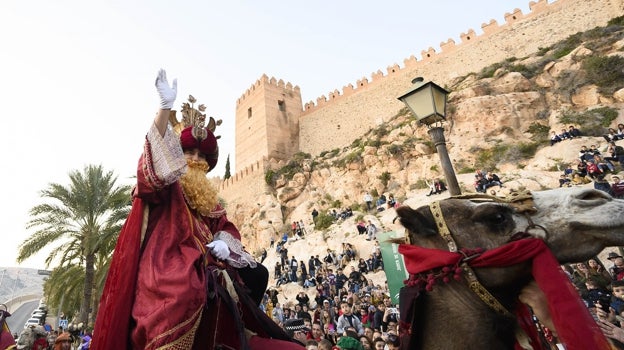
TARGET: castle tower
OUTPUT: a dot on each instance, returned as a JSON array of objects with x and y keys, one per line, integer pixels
[{"x": 267, "y": 122}]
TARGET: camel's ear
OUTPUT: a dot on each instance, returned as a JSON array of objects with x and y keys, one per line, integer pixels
[{"x": 416, "y": 222}]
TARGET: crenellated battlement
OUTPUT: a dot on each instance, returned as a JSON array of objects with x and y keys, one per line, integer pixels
[
  {"x": 264, "y": 80},
  {"x": 467, "y": 38},
  {"x": 252, "y": 170}
]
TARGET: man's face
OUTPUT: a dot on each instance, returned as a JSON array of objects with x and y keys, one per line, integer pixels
[
  {"x": 368, "y": 332},
  {"x": 346, "y": 309},
  {"x": 618, "y": 261},
  {"x": 194, "y": 154}
]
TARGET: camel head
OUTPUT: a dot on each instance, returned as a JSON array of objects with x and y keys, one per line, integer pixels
[
  {"x": 580, "y": 222},
  {"x": 576, "y": 224}
]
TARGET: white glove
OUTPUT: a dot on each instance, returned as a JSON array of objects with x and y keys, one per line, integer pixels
[
  {"x": 219, "y": 249},
  {"x": 167, "y": 93}
]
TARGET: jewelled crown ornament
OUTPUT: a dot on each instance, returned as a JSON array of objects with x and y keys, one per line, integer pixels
[
  {"x": 193, "y": 117},
  {"x": 193, "y": 130}
]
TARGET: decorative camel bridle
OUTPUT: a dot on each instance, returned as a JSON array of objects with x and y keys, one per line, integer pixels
[{"x": 522, "y": 202}]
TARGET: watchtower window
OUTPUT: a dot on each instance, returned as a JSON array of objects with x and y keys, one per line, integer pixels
[
  {"x": 281, "y": 105},
  {"x": 249, "y": 112}
]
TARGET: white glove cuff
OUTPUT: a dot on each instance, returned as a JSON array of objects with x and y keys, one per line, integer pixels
[{"x": 166, "y": 104}]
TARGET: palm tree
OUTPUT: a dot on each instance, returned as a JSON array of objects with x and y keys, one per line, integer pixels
[{"x": 86, "y": 217}]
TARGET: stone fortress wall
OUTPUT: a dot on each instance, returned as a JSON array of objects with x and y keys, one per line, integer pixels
[{"x": 337, "y": 120}]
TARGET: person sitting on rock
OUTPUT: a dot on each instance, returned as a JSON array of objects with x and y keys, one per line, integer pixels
[
  {"x": 493, "y": 180},
  {"x": 391, "y": 201},
  {"x": 581, "y": 169},
  {"x": 604, "y": 165},
  {"x": 361, "y": 227},
  {"x": 554, "y": 138},
  {"x": 381, "y": 200},
  {"x": 436, "y": 187},
  {"x": 617, "y": 187},
  {"x": 593, "y": 170},
  {"x": 620, "y": 132},
  {"x": 574, "y": 132},
  {"x": 610, "y": 135},
  {"x": 564, "y": 181},
  {"x": 616, "y": 153},
  {"x": 480, "y": 183},
  {"x": 564, "y": 135},
  {"x": 578, "y": 180}
]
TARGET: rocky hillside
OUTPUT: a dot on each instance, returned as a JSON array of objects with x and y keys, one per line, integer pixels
[
  {"x": 498, "y": 119},
  {"x": 16, "y": 281}
]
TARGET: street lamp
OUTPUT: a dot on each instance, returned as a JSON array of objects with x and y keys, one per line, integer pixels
[{"x": 428, "y": 103}]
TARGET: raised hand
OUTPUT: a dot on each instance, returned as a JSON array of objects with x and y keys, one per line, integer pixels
[{"x": 167, "y": 93}]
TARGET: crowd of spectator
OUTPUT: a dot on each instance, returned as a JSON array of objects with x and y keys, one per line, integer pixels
[
  {"x": 602, "y": 290},
  {"x": 367, "y": 316},
  {"x": 486, "y": 179},
  {"x": 317, "y": 272},
  {"x": 46, "y": 338},
  {"x": 298, "y": 229},
  {"x": 337, "y": 304},
  {"x": 382, "y": 202},
  {"x": 571, "y": 133},
  {"x": 592, "y": 165},
  {"x": 436, "y": 186}
]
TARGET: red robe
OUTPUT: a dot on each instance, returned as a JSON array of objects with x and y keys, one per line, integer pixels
[
  {"x": 157, "y": 291},
  {"x": 6, "y": 338}
]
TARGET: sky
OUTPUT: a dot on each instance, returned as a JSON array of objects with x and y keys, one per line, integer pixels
[{"x": 77, "y": 77}]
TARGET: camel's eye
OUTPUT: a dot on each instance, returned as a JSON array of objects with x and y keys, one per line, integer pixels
[{"x": 496, "y": 217}]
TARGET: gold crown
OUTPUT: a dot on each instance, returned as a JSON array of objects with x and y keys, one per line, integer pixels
[{"x": 194, "y": 117}]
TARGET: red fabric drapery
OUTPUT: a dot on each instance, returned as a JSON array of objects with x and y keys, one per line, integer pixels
[
  {"x": 575, "y": 326},
  {"x": 113, "y": 319},
  {"x": 6, "y": 338}
]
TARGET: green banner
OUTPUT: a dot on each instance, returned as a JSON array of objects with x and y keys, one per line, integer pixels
[{"x": 394, "y": 266}]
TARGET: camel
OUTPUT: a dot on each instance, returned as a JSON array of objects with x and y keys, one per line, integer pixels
[{"x": 576, "y": 224}]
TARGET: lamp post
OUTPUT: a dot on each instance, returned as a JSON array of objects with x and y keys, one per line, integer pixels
[{"x": 428, "y": 103}]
